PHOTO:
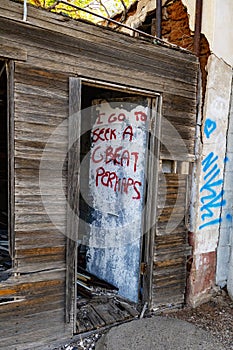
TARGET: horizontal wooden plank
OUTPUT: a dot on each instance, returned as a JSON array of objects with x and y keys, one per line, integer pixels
[
  {"x": 176, "y": 103},
  {"x": 48, "y": 325},
  {"x": 170, "y": 201},
  {"x": 169, "y": 247},
  {"x": 30, "y": 200},
  {"x": 161, "y": 229},
  {"x": 172, "y": 281},
  {"x": 32, "y": 226},
  {"x": 73, "y": 28},
  {"x": 14, "y": 52},
  {"x": 31, "y": 306},
  {"x": 26, "y": 174},
  {"x": 161, "y": 299},
  {"x": 41, "y": 208},
  {"x": 38, "y": 267},
  {"x": 38, "y": 117},
  {"x": 96, "y": 69},
  {"x": 47, "y": 261},
  {"x": 176, "y": 261},
  {"x": 104, "y": 33},
  {"x": 31, "y": 283},
  {"x": 105, "y": 51},
  {"x": 21, "y": 253},
  {"x": 39, "y": 91},
  {"x": 39, "y": 242}
]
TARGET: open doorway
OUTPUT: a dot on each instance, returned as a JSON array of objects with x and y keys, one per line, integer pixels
[
  {"x": 114, "y": 151},
  {"x": 5, "y": 258}
]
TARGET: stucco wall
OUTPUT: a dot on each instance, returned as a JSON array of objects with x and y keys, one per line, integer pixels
[
  {"x": 211, "y": 208},
  {"x": 225, "y": 233},
  {"x": 216, "y": 25}
]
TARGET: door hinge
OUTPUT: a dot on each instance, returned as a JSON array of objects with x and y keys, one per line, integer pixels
[{"x": 143, "y": 268}]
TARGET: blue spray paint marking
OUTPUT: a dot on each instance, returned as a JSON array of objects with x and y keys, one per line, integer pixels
[
  {"x": 210, "y": 126},
  {"x": 213, "y": 188},
  {"x": 210, "y": 223},
  {"x": 213, "y": 197}
]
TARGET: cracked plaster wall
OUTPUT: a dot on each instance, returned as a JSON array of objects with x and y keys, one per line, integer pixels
[
  {"x": 224, "y": 273},
  {"x": 211, "y": 210},
  {"x": 216, "y": 25}
]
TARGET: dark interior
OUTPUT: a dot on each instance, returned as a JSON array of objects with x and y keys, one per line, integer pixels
[{"x": 5, "y": 259}]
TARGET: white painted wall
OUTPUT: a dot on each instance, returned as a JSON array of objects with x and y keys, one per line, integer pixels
[
  {"x": 223, "y": 34},
  {"x": 211, "y": 163},
  {"x": 224, "y": 270},
  {"x": 216, "y": 25},
  {"x": 230, "y": 276}
]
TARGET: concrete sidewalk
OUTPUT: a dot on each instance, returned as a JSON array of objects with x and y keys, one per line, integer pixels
[{"x": 159, "y": 333}]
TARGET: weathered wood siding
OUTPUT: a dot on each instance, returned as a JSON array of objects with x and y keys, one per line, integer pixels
[
  {"x": 51, "y": 49},
  {"x": 171, "y": 242}
]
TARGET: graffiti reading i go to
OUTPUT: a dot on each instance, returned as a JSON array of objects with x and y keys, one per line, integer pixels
[{"x": 114, "y": 117}]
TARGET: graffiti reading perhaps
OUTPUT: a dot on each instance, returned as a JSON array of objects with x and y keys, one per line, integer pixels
[{"x": 212, "y": 190}]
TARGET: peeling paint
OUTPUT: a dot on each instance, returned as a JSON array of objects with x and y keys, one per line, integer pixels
[
  {"x": 116, "y": 180},
  {"x": 210, "y": 209}
]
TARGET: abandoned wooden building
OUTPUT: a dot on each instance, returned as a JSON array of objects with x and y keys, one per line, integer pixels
[{"x": 97, "y": 146}]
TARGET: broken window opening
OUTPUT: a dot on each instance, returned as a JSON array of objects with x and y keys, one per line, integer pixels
[
  {"x": 5, "y": 257},
  {"x": 175, "y": 167},
  {"x": 149, "y": 24}
]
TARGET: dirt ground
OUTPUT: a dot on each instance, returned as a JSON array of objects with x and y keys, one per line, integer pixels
[{"x": 215, "y": 316}]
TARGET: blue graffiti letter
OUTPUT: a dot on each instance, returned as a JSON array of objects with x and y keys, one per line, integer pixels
[{"x": 210, "y": 126}]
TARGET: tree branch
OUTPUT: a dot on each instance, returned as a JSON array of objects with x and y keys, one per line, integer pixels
[{"x": 105, "y": 8}]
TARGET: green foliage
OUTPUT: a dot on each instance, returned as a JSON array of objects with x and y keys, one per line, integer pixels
[{"x": 106, "y": 8}]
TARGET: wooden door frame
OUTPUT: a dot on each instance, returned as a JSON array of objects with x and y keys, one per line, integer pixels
[
  {"x": 151, "y": 194},
  {"x": 74, "y": 126},
  {"x": 74, "y": 131}
]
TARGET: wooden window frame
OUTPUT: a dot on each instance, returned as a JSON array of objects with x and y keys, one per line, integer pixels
[
  {"x": 9, "y": 66},
  {"x": 11, "y": 157},
  {"x": 9, "y": 54}
]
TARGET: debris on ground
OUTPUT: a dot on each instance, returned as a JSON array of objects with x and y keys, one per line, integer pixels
[
  {"x": 90, "y": 285},
  {"x": 215, "y": 316},
  {"x": 87, "y": 343}
]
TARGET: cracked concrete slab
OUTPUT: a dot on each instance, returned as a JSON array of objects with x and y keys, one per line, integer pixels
[{"x": 159, "y": 333}]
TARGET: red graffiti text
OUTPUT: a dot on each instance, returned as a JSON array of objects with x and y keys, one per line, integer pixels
[
  {"x": 117, "y": 156},
  {"x": 116, "y": 118},
  {"x": 111, "y": 180},
  {"x": 104, "y": 134}
]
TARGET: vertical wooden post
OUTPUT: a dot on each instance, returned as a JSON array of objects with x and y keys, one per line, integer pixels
[
  {"x": 152, "y": 175},
  {"x": 198, "y": 21},
  {"x": 159, "y": 18},
  {"x": 74, "y": 125},
  {"x": 11, "y": 159}
]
